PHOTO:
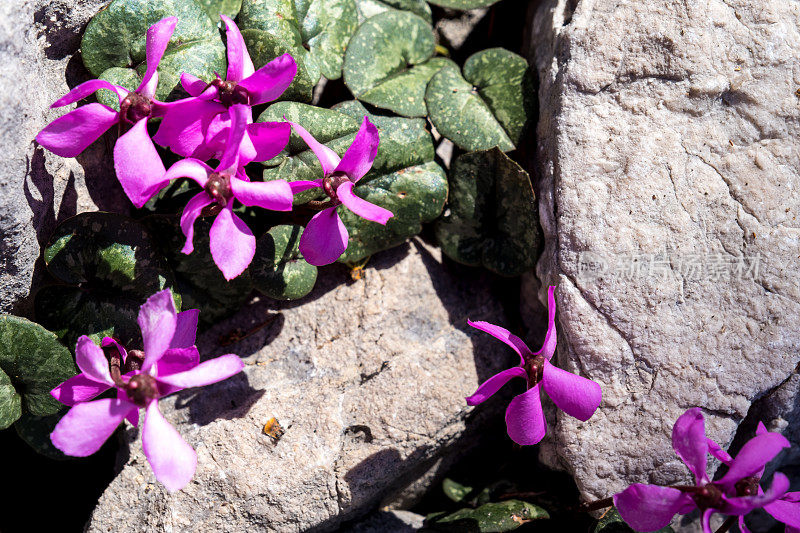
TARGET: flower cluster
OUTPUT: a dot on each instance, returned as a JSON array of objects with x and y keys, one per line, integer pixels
[
  {"x": 216, "y": 122},
  {"x": 169, "y": 363}
]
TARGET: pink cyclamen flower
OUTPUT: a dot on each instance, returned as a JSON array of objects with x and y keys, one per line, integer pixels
[
  {"x": 652, "y": 507},
  {"x": 575, "y": 395},
  {"x": 163, "y": 368},
  {"x": 232, "y": 243},
  {"x": 137, "y": 164},
  {"x": 198, "y": 127},
  {"x": 325, "y": 237}
]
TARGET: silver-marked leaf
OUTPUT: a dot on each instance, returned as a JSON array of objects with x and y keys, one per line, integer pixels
[
  {"x": 370, "y": 8},
  {"x": 387, "y": 65},
  {"x": 35, "y": 362},
  {"x": 319, "y": 29},
  {"x": 491, "y": 105},
  {"x": 278, "y": 268},
  {"x": 463, "y": 5},
  {"x": 488, "y": 518},
  {"x": 116, "y": 37},
  {"x": 10, "y": 401},
  {"x": 455, "y": 491},
  {"x": 124, "y": 77},
  {"x": 414, "y": 195},
  {"x": 264, "y": 46},
  {"x": 215, "y": 8},
  {"x": 493, "y": 218}
]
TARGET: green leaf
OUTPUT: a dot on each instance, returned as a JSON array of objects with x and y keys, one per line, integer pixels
[
  {"x": 278, "y": 268},
  {"x": 124, "y": 77},
  {"x": 10, "y": 401},
  {"x": 36, "y": 430},
  {"x": 414, "y": 194},
  {"x": 110, "y": 267},
  {"x": 612, "y": 522},
  {"x": 35, "y": 361},
  {"x": 215, "y": 8},
  {"x": 491, "y": 105},
  {"x": 198, "y": 279},
  {"x": 314, "y": 31},
  {"x": 463, "y": 5},
  {"x": 388, "y": 62},
  {"x": 370, "y": 8},
  {"x": 493, "y": 219},
  {"x": 264, "y": 47},
  {"x": 454, "y": 490},
  {"x": 116, "y": 37},
  {"x": 488, "y": 518}
]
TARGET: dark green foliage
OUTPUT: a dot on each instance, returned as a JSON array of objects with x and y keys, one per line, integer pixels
[
  {"x": 488, "y": 518},
  {"x": 612, "y": 522},
  {"x": 278, "y": 268}
]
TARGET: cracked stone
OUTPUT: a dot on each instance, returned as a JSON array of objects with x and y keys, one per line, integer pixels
[
  {"x": 368, "y": 380},
  {"x": 669, "y": 176}
]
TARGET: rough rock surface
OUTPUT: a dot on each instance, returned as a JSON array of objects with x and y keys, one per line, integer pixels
[
  {"x": 38, "y": 44},
  {"x": 669, "y": 169},
  {"x": 367, "y": 378}
]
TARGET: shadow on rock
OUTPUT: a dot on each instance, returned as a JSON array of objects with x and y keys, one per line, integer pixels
[{"x": 229, "y": 399}]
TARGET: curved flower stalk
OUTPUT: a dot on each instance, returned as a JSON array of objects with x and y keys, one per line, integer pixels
[
  {"x": 158, "y": 371},
  {"x": 138, "y": 165},
  {"x": 652, "y": 507},
  {"x": 232, "y": 243},
  {"x": 325, "y": 237},
  {"x": 198, "y": 127},
  {"x": 577, "y": 396}
]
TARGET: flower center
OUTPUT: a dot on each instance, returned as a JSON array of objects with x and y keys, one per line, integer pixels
[
  {"x": 230, "y": 92},
  {"x": 747, "y": 486},
  {"x": 332, "y": 182},
  {"x": 134, "y": 108},
  {"x": 141, "y": 389},
  {"x": 218, "y": 187},
  {"x": 707, "y": 496},
  {"x": 535, "y": 369}
]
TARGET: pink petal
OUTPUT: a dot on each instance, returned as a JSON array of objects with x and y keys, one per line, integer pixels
[
  {"x": 494, "y": 383},
  {"x": 524, "y": 418},
  {"x": 324, "y": 239},
  {"x": 138, "y": 165},
  {"x": 192, "y": 84},
  {"x": 705, "y": 520},
  {"x": 358, "y": 158},
  {"x": 157, "y": 320},
  {"x": 240, "y": 65},
  {"x": 784, "y": 511},
  {"x": 271, "y": 80},
  {"x": 717, "y": 452},
  {"x": 177, "y": 360},
  {"x": 742, "y": 527},
  {"x": 689, "y": 443},
  {"x": 85, "y": 427},
  {"x": 183, "y": 128},
  {"x": 158, "y": 36},
  {"x": 756, "y": 453},
  {"x": 78, "y": 389},
  {"x": 303, "y": 185},
  {"x": 69, "y": 135},
  {"x": 575, "y": 395},
  {"x": 275, "y": 195},
  {"x": 172, "y": 459},
  {"x": 361, "y": 207},
  {"x": 268, "y": 138},
  {"x": 108, "y": 341},
  {"x": 193, "y": 209},
  {"x": 189, "y": 168},
  {"x": 761, "y": 428},
  {"x": 185, "y": 329},
  {"x": 504, "y": 335},
  {"x": 650, "y": 507},
  {"x": 85, "y": 89},
  {"x": 206, "y": 373},
  {"x": 230, "y": 158},
  {"x": 549, "y": 346},
  {"x": 133, "y": 414},
  {"x": 92, "y": 361},
  {"x": 744, "y": 504},
  {"x": 327, "y": 157},
  {"x": 232, "y": 243}
]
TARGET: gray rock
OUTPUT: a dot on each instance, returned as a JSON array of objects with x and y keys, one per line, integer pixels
[
  {"x": 368, "y": 379},
  {"x": 669, "y": 175},
  {"x": 38, "y": 44}
]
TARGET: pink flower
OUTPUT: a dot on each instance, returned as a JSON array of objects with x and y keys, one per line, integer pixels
[
  {"x": 138, "y": 166},
  {"x": 231, "y": 241},
  {"x": 652, "y": 507},
  {"x": 577, "y": 396},
  {"x": 168, "y": 364},
  {"x": 198, "y": 127},
  {"x": 325, "y": 237}
]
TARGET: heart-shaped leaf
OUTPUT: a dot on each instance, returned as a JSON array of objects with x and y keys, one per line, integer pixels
[
  {"x": 463, "y": 5},
  {"x": 370, "y": 8},
  {"x": 278, "y": 268},
  {"x": 124, "y": 77},
  {"x": 491, "y": 105},
  {"x": 314, "y": 31},
  {"x": 34, "y": 361},
  {"x": 10, "y": 401},
  {"x": 414, "y": 195},
  {"x": 388, "y": 62},
  {"x": 116, "y": 37},
  {"x": 215, "y": 8},
  {"x": 264, "y": 46},
  {"x": 488, "y": 518},
  {"x": 493, "y": 219},
  {"x": 109, "y": 266},
  {"x": 612, "y": 522}
]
